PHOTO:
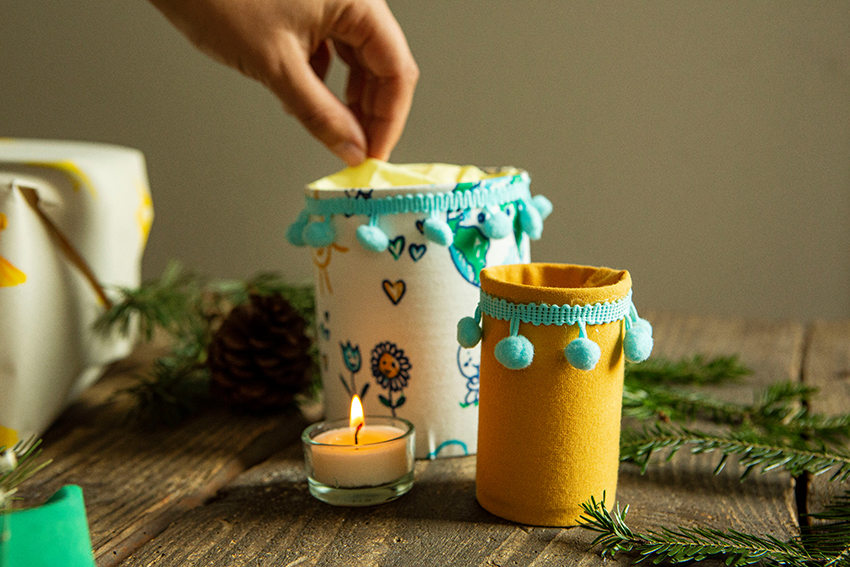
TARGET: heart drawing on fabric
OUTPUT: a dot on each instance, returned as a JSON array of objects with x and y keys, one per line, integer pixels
[
  {"x": 395, "y": 291},
  {"x": 417, "y": 251},
  {"x": 420, "y": 226},
  {"x": 396, "y": 246}
]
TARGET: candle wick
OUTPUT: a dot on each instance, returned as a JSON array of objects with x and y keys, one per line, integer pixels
[{"x": 356, "y": 431}]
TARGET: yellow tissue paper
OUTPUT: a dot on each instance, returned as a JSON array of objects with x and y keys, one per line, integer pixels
[{"x": 377, "y": 174}]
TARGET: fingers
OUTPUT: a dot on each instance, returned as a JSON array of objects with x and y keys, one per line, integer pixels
[
  {"x": 320, "y": 60},
  {"x": 305, "y": 96},
  {"x": 383, "y": 73}
]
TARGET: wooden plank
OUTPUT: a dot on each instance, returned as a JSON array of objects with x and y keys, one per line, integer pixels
[
  {"x": 136, "y": 481},
  {"x": 827, "y": 367},
  {"x": 685, "y": 491},
  {"x": 267, "y": 517}
]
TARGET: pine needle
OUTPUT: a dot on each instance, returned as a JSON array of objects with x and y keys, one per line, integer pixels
[
  {"x": 753, "y": 451},
  {"x": 19, "y": 463},
  {"x": 695, "y": 371},
  {"x": 684, "y": 545}
]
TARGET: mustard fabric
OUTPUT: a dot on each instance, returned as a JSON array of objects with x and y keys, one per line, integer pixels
[
  {"x": 377, "y": 174},
  {"x": 549, "y": 434}
]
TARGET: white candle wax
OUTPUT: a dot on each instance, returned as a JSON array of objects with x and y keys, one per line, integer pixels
[{"x": 380, "y": 456}]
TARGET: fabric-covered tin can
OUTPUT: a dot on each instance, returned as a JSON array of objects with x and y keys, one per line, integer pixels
[
  {"x": 554, "y": 339},
  {"x": 395, "y": 267}
]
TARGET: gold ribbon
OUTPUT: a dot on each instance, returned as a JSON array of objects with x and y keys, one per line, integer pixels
[{"x": 32, "y": 199}]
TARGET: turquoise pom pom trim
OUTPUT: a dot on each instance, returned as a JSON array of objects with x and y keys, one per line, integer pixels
[
  {"x": 438, "y": 231},
  {"x": 488, "y": 194},
  {"x": 371, "y": 237},
  {"x": 319, "y": 234},
  {"x": 582, "y": 353},
  {"x": 543, "y": 206},
  {"x": 517, "y": 352},
  {"x": 637, "y": 346},
  {"x": 295, "y": 232},
  {"x": 530, "y": 220},
  {"x": 469, "y": 330},
  {"x": 496, "y": 224}
]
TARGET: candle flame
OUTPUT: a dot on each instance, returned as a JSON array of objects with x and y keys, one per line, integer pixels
[{"x": 356, "y": 415}]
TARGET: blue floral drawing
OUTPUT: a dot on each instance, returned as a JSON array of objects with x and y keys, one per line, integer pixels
[
  {"x": 445, "y": 445},
  {"x": 351, "y": 359},
  {"x": 391, "y": 369},
  {"x": 468, "y": 363}
]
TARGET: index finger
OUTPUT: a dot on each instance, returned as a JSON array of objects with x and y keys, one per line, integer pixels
[{"x": 383, "y": 72}]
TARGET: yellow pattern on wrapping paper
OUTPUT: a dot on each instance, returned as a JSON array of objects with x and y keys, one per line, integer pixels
[
  {"x": 9, "y": 274},
  {"x": 79, "y": 179},
  {"x": 8, "y": 437},
  {"x": 144, "y": 214},
  {"x": 322, "y": 259}
]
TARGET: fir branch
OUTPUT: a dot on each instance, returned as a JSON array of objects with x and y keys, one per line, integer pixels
[
  {"x": 17, "y": 464},
  {"x": 753, "y": 451},
  {"x": 833, "y": 533},
  {"x": 163, "y": 303},
  {"x": 189, "y": 309},
  {"x": 697, "y": 371},
  {"x": 668, "y": 404},
  {"x": 685, "y": 545}
]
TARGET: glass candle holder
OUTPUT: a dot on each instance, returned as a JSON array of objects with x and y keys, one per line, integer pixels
[{"x": 347, "y": 467}]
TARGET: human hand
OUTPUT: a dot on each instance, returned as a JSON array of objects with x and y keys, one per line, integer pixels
[{"x": 286, "y": 45}]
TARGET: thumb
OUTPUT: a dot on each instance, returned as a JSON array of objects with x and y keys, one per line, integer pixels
[{"x": 306, "y": 97}]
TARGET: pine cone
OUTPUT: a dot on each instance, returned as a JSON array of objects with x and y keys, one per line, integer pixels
[{"x": 259, "y": 358}]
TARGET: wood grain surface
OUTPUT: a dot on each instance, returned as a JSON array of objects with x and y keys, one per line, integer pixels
[
  {"x": 827, "y": 367},
  {"x": 222, "y": 489}
]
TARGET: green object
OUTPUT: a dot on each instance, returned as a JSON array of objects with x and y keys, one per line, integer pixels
[{"x": 56, "y": 533}]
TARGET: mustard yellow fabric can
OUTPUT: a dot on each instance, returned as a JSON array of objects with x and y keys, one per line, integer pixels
[{"x": 549, "y": 419}]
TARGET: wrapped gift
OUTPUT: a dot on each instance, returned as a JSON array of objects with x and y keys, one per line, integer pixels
[
  {"x": 73, "y": 218},
  {"x": 554, "y": 339},
  {"x": 397, "y": 252}
]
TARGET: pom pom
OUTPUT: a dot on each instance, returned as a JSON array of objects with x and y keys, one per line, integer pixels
[
  {"x": 543, "y": 206},
  {"x": 637, "y": 345},
  {"x": 438, "y": 231},
  {"x": 583, "y": 353},
  {"x": 468, "y": 332},
  {"x": 531, "y": 222},
  {"x": 515, "y": 353},
  {"x": 496, "y": 225},
  {"x": 372, "y": 238},
  {"x": 318, "y": 234},
  {"x": 294, "y": 234},
  {"x": 643, "y": 324}
]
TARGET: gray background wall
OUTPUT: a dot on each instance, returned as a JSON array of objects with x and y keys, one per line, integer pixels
[{"x": 704, "y": 146}]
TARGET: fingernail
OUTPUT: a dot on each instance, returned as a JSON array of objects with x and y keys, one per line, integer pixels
[{"x": 350, "y": 153}]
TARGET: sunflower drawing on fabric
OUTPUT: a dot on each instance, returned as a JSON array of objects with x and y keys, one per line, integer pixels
[
  {"x": 391, "y": 369},
  {"x": 351, "y": 359},
  {"x": 9, "y": 274}
]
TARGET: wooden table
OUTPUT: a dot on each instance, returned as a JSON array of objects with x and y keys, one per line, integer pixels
[{"x": 222, "y": 489}]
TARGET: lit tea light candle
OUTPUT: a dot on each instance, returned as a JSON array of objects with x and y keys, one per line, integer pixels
[{"x": 359, "y": 463}]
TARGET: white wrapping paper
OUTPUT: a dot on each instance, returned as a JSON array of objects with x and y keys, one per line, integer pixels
[{"x": 96, "y": 199}]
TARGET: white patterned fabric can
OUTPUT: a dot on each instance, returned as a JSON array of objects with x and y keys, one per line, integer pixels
[{"x": 395, "y": 268}]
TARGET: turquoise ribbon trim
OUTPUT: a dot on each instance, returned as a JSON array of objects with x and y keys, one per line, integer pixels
[
  {"x": 544, "y": 314},
  {"x": 489, "y": 192}
]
